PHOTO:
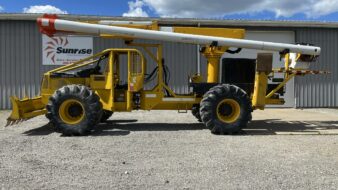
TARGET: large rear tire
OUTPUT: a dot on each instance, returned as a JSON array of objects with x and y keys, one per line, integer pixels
[
  {"x": 74, "y": 110},
  {"x": 225, "y": 109}
]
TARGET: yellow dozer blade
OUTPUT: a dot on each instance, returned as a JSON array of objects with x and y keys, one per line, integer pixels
[{"x": 25, "y": 109}]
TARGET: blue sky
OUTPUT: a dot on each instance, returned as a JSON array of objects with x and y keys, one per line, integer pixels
[
  {"x": 90, "y": 7},
  {"x": 323, "y": 10}
]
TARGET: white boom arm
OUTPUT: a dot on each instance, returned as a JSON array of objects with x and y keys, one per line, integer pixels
[{"x": 52, "y": 25}]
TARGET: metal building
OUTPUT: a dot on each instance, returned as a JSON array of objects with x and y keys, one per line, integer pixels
[{"x": 21, "y": 55}]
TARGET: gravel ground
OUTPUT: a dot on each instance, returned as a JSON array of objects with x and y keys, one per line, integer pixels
[{"x": 281, "y": 149}]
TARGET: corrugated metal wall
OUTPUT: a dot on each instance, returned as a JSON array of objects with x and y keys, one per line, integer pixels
[
  {"x": 319, "y": 90},
  {"x": 21, "y": 60},
  {"x": 21, "y": 63}
]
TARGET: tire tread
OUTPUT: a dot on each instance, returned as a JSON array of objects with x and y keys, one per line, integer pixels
[{"x": 209, "y": 104}]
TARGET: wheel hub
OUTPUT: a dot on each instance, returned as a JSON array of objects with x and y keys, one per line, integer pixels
[
  {"x": 225, "y": 109},
  {"x": 228, "y": 110},
  {"x": 71, "y": 112},
  {"x": 75, "y": 110}
]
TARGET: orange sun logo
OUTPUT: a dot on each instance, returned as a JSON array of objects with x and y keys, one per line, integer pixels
[{"x": 53, "y": 44}]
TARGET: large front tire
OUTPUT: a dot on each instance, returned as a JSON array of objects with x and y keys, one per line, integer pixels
[
  {"x": 225, "y": 109},
  {"x": 74, "y": 110}
]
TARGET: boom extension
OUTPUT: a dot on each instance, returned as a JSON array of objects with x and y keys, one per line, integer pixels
[{"x": 50, "y": 26}]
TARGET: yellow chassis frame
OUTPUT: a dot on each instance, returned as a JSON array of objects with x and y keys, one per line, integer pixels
[
  {"x": 150, "y": 99},
  {"x": 154, "y": 98}
]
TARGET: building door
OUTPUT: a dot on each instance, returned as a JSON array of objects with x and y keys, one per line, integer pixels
[{"x": 271, "y": 36}]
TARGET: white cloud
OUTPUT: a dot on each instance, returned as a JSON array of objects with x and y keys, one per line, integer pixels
[
  {"x": 44, "y": 9},
  {"x": 1, "y": 9},
  {"x": 220, "y": 8},
  {"x": 136, "y": 9},
  {"x": 325, "y": 7}
]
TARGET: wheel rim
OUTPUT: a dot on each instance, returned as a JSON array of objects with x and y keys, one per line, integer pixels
[
  {"x": 71, "y": 111},
  {"x": 228, "y": 110}
]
